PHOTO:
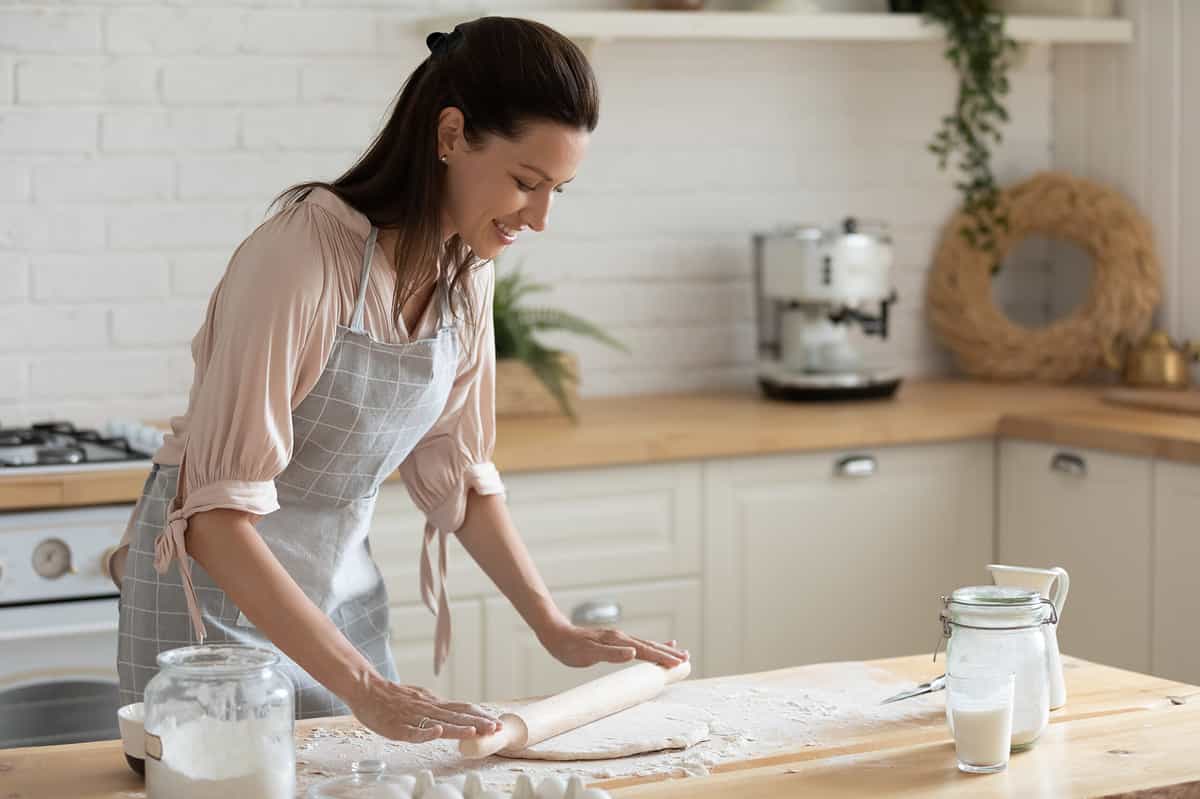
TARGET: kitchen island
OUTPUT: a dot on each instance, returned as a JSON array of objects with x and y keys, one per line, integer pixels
[{"x": 1121, "y": 734}]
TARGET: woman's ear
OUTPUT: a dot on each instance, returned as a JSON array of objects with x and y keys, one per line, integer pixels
[{"x": 450, "y": 132}]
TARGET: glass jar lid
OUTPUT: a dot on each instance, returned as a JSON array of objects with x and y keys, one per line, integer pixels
[
  {"x": 1001, "y": 595},
  {"x": 224, "y": 660},
  {"x": 997, "y": 607},
  {"x": 367, "y": 780}
]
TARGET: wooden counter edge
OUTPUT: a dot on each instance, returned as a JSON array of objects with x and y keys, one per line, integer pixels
[{"x": 936, "y": 412}]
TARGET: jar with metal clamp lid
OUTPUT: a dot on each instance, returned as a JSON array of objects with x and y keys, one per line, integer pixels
[
  {"x": 219, "y": 725},
  {"x": 1000, "y": 627}
]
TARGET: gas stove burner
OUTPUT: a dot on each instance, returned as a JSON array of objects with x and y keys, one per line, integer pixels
[
  {"x": 60, "y": 455},
  {"x": 58, "y": 444}
]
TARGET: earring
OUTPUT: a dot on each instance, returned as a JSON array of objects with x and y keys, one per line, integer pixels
[{"x": 443, "y": 159}]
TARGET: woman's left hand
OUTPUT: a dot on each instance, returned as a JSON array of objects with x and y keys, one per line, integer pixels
[{"x": 586, "y": 646}]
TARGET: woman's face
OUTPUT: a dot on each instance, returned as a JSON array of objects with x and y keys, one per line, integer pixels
[{"x": 502, "y": 189}]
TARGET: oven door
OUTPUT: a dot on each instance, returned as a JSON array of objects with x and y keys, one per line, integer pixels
[{"x": 58, "y": 673}]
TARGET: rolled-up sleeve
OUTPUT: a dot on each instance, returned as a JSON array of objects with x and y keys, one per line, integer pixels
[
  {"x": 264, "y": 354},
  {"x": 455, "y": 456}
]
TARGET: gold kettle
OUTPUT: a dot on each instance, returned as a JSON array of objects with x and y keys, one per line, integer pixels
[{"x": 1155, "y": 362}]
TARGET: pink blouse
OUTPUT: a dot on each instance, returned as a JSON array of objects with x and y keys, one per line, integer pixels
[{"x": 266, "y": 337}]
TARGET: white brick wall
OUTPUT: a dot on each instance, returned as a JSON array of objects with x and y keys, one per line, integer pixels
[
  {"x": 43, "y": 30},
  {"x": 14, "y": 277},
  {"x": 140, "y": 141}
]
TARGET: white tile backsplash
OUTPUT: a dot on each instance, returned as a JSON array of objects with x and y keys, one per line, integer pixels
[{"x": 141, "y": 141}]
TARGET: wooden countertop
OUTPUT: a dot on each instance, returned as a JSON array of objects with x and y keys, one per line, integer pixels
[
  {"x": 1118, "y": 734},
  {"x": 1119, "y": 737},
  {"x": 649, "y": 429}
]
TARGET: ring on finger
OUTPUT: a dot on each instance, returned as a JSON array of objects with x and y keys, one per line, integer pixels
[{"x": 424, "y": 723}]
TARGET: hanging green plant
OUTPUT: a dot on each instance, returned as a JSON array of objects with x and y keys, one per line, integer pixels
[
  {"x": 981, "y": 54},
  {"x": 516, "y": 328}
]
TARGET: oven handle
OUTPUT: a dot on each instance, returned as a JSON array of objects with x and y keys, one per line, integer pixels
[{"x": 57, "y": 632}]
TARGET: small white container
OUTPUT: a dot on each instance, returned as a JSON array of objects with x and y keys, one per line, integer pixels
[{"x": 133, "y": 735}]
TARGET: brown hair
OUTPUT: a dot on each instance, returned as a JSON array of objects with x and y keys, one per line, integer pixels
[{"x": 502, "y": 73}]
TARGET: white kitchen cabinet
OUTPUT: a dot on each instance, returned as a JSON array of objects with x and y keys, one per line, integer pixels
[
  {"x": 412, "y": 637},
  {"x": 1090, "y": 513},
  {"x": 840, "y": 556},
  {"x": 582, "y": 526},
  {"x": 1176, "y": 651},
  {"x": 518, "y": 666}
]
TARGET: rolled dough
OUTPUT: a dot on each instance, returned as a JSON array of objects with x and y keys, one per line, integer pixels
[{"x": 648, "y": 727}]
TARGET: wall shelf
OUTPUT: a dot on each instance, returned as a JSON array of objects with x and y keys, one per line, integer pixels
[{"x": 603, "y": 26}]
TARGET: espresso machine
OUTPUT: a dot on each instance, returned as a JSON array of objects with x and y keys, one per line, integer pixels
[{"x": 811, "y": 284}]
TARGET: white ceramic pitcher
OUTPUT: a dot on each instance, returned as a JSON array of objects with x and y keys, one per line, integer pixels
[{"x": 1041, "y": 580}]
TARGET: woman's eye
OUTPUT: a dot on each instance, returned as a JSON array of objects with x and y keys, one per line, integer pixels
[{"x": 523, "y": 187}]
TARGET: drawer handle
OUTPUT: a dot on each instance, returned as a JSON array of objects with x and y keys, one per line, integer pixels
[
  {"x": 855, "y": 466},
  {"x": 1069, "y": 463},
  {"x": 597, "y": 613}
]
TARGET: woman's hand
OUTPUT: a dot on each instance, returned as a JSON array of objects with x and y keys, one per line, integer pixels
[
  {"x": 587, "y": 646},
  {"x": 397, "y": 711}
]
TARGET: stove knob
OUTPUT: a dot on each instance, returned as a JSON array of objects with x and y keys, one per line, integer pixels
[{"x": 52, "y": 559}]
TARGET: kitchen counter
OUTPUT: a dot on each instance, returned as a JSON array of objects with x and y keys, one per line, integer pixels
[
  {"x": 650, "y": 429},
  {"x": 1118, "y": 735}
]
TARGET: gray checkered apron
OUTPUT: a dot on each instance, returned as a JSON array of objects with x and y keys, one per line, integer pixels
[{"x": 371, "y": 406}]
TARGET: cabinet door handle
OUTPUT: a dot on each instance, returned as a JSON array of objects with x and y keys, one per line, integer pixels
[
  {"x": 855, "y": 466},
  {"x": 597, "y": 613},
  {"x": 1069, "y": 463}
]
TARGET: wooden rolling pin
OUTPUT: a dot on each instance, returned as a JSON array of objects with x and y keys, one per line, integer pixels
[{"x": 583, "y": 704}]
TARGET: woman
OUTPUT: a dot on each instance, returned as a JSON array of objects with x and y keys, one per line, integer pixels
[{"x": 350, "y": 337}]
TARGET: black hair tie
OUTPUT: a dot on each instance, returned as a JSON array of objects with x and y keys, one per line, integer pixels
[{"x": 438, "y": 41}]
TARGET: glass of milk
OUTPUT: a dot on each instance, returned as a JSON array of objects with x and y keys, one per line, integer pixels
[{"x": 979, "y": 710}]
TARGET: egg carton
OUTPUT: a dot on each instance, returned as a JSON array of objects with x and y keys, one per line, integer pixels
[{"x": 470, "y": 786}]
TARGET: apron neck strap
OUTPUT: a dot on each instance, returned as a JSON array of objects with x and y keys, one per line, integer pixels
[{"x": 356, "y": 321}]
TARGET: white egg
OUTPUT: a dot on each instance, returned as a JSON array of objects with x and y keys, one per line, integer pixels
[
  {"x": 524, "y": 788},
  {"x": 443, "y": 791},
  {"x": 473, "y": 786},
  {"x": 551, "y": 788},
  {"x": 575, "y": 787},
  {"x": 425, "y": 783}
]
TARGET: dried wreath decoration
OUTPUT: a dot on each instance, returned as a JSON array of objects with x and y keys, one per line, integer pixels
[{"x": 1124, "y": 292}]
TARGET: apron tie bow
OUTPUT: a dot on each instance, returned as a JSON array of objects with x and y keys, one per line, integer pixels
[{"x": 170, "y": 545}]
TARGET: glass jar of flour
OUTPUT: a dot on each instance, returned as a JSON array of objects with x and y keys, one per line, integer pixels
[
  {"x": 219, "y": 724},
  {"x": 1000, "y": 627}
]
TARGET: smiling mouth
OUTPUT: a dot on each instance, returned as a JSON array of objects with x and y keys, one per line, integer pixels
[{"x": 508, "y": 234}]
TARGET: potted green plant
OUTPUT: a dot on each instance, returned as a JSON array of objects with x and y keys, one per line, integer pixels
[
  {"x": 981, "y": 54},
  {"x": 529, "y": 375}
]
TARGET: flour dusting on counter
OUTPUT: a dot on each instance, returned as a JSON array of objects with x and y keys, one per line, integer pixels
[
  {"x": 752, "y": 718},
  {"x": 823, "y": 705}
]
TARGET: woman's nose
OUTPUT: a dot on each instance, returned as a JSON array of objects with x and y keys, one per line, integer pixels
[{"x": 537, "y": 213}]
